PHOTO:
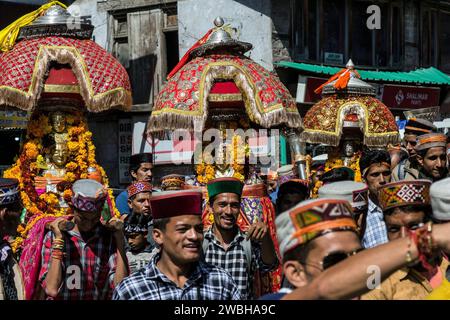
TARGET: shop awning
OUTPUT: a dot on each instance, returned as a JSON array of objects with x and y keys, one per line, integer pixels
[{"x": 422, "y": 76}]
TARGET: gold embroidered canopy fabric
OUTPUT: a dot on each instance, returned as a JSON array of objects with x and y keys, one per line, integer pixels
[
  {"x": 323, "y": 123},
  {"x": 183, "y": 101},
  {"x": 104, "y": 82}
]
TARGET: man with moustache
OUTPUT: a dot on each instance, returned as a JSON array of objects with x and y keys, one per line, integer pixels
[{"x": 226, "y": 246}]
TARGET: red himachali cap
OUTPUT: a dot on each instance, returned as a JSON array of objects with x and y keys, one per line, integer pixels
[{"x": 176, "y": 203}]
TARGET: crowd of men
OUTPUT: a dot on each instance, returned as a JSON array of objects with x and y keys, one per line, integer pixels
[{"x": 393, "y": 224}]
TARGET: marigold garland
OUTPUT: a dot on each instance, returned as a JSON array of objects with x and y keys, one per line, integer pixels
[
  {"x": 238, "y": 151},
  {"x": 26, "y": 168}
]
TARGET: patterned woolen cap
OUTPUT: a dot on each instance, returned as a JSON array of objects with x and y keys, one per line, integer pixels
[
  {"x": 431, "y": 140},
  {"x": 404, "y": 193},
  {"x": 138, "y": 187},
  {"x": 311, "y": 219},
  {"x": 88, "y": 195},
  {"x": 356, "y": 193}
]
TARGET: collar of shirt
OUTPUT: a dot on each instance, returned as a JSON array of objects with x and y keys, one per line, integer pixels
[
  {"x": 152, "y": 272},
  {"x": 374, "y": 209},
  {"x": 212, "y": 237}
]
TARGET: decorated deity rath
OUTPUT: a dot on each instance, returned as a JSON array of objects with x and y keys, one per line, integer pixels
[
  {"x": 215, "y": 86},
  {"x": 50, "y": 68},
  {"x": 349, "y": 118}
]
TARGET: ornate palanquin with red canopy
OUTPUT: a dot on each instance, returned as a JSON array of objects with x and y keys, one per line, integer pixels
[
  {"x": 50, "y": 67},
  {"x": 348, "y": 114},
  {"x": 57, "y": 66},
  {"x": 216, "y": 86},
  {"x": 349, "y": 102}
]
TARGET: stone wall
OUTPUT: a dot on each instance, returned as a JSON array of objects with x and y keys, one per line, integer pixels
[
  {"x": 281, "y": 18},
  {"x": 250, "y": 18}
]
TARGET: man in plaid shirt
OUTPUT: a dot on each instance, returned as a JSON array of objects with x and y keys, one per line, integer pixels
[
  {"x": 375, "y": 166},
  {"x": 176, "y": 272},
  {"x": 87, "y": 261},
  {"x": 228, "y": 247}
]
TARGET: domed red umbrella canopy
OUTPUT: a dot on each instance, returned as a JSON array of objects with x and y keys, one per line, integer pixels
[
  {"x": 54, "y": 57},
  {"x": 214, "y": 73},
  {"x": 349, "y": 102}
]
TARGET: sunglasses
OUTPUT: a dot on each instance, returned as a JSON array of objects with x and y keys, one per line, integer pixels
[{"x": 336, "y": 257}]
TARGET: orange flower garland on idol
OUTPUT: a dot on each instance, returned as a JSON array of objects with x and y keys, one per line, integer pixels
[{"x": 26, "y": 168}]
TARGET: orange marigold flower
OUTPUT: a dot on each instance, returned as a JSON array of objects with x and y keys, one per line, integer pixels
[
  {"x": 70, "y": 177},
  {"x": 71, "y": 166}
]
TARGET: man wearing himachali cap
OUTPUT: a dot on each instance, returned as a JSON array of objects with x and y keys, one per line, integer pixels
[
  {"x": 226, "y": 246},
  {"x": 291, "y": 189},
  {"x": 408, "y": 168},
  {"x": 138, "y": 225},
  {"x": 140, "y": 169},
  {"x": 313, "y": 236},
  {"x": 11, "y": 287},
  {"x": 139, "y": 194},
  {"x": 89, "y": 260},
  {"x": 176, "y": 272},
  {"x": 318, "y": 243},
  {"x": 432, "y": 156},
  {"x": 406, "y": 207}
]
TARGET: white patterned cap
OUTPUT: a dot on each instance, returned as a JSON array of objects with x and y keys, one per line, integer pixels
[{"x": 440, "y": 199}]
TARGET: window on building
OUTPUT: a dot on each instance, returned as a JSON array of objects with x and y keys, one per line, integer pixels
[
  {"x": 146, "y": 58},
  {"x": 332, "y": 24},
  {"x": 429, "y": 39},
  {"x": 444, "y": 58},
  {"x": 331, "y": 32}
]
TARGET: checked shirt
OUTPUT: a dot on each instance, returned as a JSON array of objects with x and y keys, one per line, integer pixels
[
  {"x": 376, "y": 232},
  {"x": 234, "y": 261},
  {"x": 88, "y": 267},
  {"x": 206, "y": 282}
]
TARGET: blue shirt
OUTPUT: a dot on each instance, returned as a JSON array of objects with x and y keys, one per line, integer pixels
[
  {"x": 122, "y": 203},
  {"x": 376, "y": 232}
]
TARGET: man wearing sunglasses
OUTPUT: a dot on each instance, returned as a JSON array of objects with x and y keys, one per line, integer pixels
[
  {"x": 375, "y": 166},
  {"x": 11, "y": 287},
  {"x": 314, "y": 236},
  {"x": 406, "y": 207},
  {"x": 408, "y": 169}
]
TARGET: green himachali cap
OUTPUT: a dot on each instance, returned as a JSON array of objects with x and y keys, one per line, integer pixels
[{"x": 224, "y": 185}]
